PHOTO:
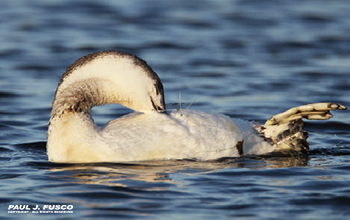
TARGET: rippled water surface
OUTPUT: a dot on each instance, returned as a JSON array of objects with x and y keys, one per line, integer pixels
[{"x": 247, "y": 59}]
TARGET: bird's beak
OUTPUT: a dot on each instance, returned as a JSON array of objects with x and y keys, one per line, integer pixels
[{"x": 158, "y": 106}]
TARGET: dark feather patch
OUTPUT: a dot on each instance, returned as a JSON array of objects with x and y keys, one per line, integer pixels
[
  {"x": 294, "y": 136},
  {"x": 239, "y": 147}
]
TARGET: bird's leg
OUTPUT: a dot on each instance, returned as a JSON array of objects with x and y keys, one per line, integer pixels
[{"x": 314, "y": 111}]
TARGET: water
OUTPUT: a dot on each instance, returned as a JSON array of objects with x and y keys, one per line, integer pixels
[{"x": 247, "y": 59}]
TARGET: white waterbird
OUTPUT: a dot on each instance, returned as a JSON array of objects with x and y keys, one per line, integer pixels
[{"x": 151, "y": 132}]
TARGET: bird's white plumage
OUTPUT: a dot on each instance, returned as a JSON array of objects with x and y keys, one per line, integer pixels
[
  {"x": 183, "y": 134},
  {"x": 153, "y": 136},
  {"x": 149, "y": 133}
]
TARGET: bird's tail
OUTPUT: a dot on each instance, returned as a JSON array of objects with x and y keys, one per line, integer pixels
[{"x": 285, "y": 130}]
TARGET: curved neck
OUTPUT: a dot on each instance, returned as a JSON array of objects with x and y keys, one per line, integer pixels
[
  {"x": 80, "y": 97},
  {"x": 71, "y": 125}
]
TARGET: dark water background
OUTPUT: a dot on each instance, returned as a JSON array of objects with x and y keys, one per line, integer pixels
[{"x": 248, "y": 59}]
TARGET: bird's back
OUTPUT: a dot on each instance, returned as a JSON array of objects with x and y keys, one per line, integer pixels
[{"x": 181, "y": 134}]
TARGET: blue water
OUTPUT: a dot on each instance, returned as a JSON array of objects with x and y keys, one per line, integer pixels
[{"x": 249, "y": 59}]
